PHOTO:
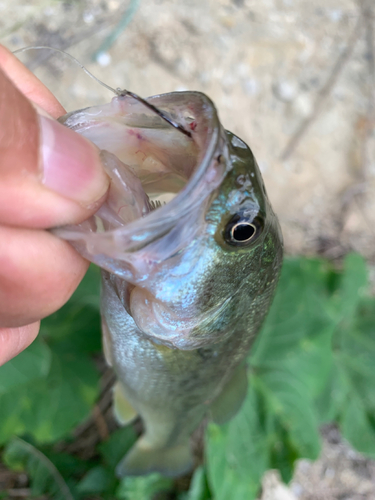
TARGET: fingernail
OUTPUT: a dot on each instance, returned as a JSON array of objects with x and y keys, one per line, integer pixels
[{"x": 70, "y": 163}]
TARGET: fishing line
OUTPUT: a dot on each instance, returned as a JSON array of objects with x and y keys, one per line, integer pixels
[
  {"x": 39, "y": 47},
  {"x": 119, "y": 92}
]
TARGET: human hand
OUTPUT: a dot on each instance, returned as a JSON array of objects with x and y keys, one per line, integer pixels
[{"x": 49, "y": 176}]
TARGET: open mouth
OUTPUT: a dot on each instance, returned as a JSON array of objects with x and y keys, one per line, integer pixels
[
  {"x": 161, "y": 157},
  {"x": 174, "y": 173}
]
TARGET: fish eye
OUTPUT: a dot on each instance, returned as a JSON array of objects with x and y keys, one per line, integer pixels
[{"x": 241, "y": 231}]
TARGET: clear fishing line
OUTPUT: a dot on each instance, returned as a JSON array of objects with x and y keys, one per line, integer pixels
[{"x": 119, "y": 92}]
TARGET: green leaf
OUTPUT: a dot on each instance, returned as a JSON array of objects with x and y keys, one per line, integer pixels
[
  {"x": 332, "y": 399},
  {"x": 283, "y": 452},
  {"x": 198, "y": 486},
  {"x": 30, "y": 365},
  {"x": 73, "y": 329},
  {"x": 50, "y": 409},
  {"x": 353, "y": 286},
  {"x": 12, "y": 405},
  {"x": 97, "y": 480},
  {"x": 50, "y": 387},
  {"x": 70, "y": 467},
  {"x": 118, "y": 444},
  {"x": 289, "y": 389},
  {"x": 292, "y": 360},
  {"x": 76, "y": 326},
  {"x": 350, "y": 396},
  {"x": 300, "y": 310},
  {"x": 355, "y": 376},
  {"x": 355, "y": 352},
  {"x": 88, "y": 291},
  {"x": 45, "y": 478},
  {"x": 287, "y": 399},
  {"x": 142, "y": 488},
  {"x": 64, "y": 400},
  {"x": 358, "y": 426},
  {"x": 237, "y": 454}
]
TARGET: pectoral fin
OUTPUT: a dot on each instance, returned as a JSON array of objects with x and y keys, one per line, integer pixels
[
  {"x": 141, "y": 459},
  {"x": 229, "y": 401},
  {"x": 122, "y": 409}
]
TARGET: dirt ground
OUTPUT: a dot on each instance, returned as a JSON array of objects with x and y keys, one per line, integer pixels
[
  {"x": 340, "y": 474},
  {"x": 293, "y": 78}
]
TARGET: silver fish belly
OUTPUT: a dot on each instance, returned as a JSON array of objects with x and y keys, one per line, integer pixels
[{"x": 190, "y": 252}]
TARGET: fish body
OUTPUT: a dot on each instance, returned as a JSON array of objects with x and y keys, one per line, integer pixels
[{"x": 186, "y": 286}]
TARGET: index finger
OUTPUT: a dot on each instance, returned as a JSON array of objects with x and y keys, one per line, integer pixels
[{"x": 29, "y": 84}]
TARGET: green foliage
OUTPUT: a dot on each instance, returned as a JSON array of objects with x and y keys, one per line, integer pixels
[
  {"x": 113, "y": 450},
  {"x": 236, "y": 452},
  {"x": 97, "y": 480},
  {"x": 143, "y": 488},
  {"x": 45, "y": 477},
  {"x": 29, "y": 366},
  {"x": 312, "y": 363},
  {"x": 198, "y": 486},
  {"x": 50, "y": 388}
]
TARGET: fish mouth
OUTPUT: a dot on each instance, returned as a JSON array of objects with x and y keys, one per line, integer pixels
[{"x": 177, "y": 173}]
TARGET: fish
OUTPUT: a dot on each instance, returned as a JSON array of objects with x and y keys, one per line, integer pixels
[{"x": 190, "y": 251}]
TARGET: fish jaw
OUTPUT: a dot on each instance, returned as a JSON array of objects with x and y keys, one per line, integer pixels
[{"x": 191, "y": 169}]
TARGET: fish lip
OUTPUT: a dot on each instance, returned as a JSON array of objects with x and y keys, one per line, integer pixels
[{"x": 137, "y": 234}]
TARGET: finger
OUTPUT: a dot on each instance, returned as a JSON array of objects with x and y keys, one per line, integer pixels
[
  {"x": 29, "y": 84},
  {"x": 38, "y": 274},
  {"x": 49, "y": 175},
  {"x": 15, "y": 340}
]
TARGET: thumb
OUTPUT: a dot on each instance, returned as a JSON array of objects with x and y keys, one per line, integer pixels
[{"x": 49, "y": 175}]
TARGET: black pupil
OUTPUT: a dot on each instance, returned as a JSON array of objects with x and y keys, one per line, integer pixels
[{"x": 243, "y": 232}]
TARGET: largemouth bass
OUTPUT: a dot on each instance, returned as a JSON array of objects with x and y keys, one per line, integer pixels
[{"x": 190, "y": 252}]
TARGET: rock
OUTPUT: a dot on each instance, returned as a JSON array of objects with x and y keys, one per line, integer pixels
[{"x": 274, "y": 489}]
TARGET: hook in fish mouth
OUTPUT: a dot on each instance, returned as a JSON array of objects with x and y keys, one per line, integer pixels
[
  {"x": 118, "y": 91},
  {"x": 159, "y": 112}
]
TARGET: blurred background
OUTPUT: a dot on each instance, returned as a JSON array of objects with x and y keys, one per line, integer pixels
[{"x": 295, "y": 79}]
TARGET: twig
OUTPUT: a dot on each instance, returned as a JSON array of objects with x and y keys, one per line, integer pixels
[
  {"x": 100, "y": 423},
  {"x": 324, "y": 92},
  {"x": 19, "y": 492}
]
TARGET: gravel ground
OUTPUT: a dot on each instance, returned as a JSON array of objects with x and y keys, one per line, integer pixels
[
  {"x": 293, "y": 78},
  {"x": 340, "y": 474}
]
